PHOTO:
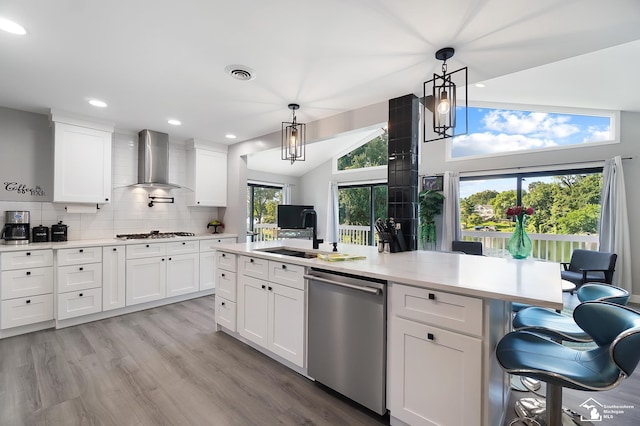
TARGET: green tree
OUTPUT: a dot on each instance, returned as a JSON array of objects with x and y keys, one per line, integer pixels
[
  {"x": 502, "y": 202},
  {"x": 581, "y": 221},
  {"x": 373, "y": 153}
]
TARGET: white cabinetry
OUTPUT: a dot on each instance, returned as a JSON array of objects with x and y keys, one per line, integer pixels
[
  {"x": 438, "y": 352},
  {"x": 207, "y": 166},
  {"x": 226, "y": 290},
  {"x": 158, "y": 270},
  {"x": 113, "y": 277},
  {"x": 208, "y": 261},
  {"x": 79, "y": 282},
  {"x": 271, "y": 306},
  {"x": 26, "y": 288},
  {"x": 82, "y": 160}
]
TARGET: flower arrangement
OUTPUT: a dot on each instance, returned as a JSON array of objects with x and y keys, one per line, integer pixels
[{"x": 520, "y": 211}]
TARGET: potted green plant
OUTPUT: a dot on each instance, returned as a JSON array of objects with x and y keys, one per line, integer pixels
[{"x": 430, "y": 205}]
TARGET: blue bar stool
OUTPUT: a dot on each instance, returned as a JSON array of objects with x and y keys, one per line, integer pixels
[{"x": 614, "y": 329}]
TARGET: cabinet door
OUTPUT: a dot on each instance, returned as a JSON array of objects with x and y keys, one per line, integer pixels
[
  {"x": 25, "y": 311},
  {"x": 210, "y": 178},
  {"x": 78, "y": 303},
  {"x": 226, "y": 313},
  {"x": 286, "y": 322},
  {"x": 435, "y": 376},
  {"x": 207, "y": 270},
  {"x": 253, "y": 302},
  {"x": 82, "y": 164},
  {"x": 226, "y": 284},
  {"x": 183, "y": 247},
  {"x": 26, "y": 282},
  {"x": 146, "y": 280},
  {"x": 26, "y": 259},
  {"x": 79, "y": 277},
  {"x": 182, "y": 274},
  {"x": 113, "y": 278},
  {"x": 78, "y": 256}
]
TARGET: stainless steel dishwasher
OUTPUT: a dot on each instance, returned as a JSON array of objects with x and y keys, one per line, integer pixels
[{"x": 348, "y": 335}]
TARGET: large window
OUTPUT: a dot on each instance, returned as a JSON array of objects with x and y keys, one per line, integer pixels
[
  {"x": 262, "y": 206},
  {"x": 372, "y": 153},
  {"x": 494, "y": 131},
  {"x": 360, "y": 206}
]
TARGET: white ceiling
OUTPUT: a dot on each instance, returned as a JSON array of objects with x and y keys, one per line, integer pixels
[{"x": 152, "y": 60}]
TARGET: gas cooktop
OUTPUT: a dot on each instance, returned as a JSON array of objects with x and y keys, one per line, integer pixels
[{"x": 154, "y": 235}]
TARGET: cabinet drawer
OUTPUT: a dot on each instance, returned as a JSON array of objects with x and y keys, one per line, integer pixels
[
  {"x": 26, "y": 282},
  {"x": 78, "y": 256},
  {"x": 254, "y": 267},
  {"x": 26, "y": 310},
  {"x": 226, "y": 261},
  {"x": 211, "y": 245},
  {"x": 183, "y": 247},
  {"x": 452, "y": 311},
  {"x": 226, "y": 313},
  {"x": 79, "y": 277},
  {"x": 226, "y": 284},
  {"x": 287, "y": 274},
  {"x": 26, "y": 259},
  {"x": 139, "y": 251},
  {"x": 78, "y": 303}
]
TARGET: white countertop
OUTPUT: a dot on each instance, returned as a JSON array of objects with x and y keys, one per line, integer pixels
[
  {"x": 524, "y": 281},
  {"x": 107, "y": 242}
]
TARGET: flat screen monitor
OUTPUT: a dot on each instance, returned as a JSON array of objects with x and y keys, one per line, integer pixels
[{"x": 289, "y": 217}]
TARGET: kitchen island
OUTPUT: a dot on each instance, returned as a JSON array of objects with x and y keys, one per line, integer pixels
[{"x": 445, "y": 313}]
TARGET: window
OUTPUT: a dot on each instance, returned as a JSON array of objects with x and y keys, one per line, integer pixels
[
  {"x": 262, "y": 205},
  {"x": 360, "y": 206},
  {"x": 566, "y": 203},
  {"x": 494, "y": 131},
  {"x": 373, "y": 152}
]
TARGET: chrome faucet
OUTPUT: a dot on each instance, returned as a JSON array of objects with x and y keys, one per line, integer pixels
[{"x": 314, "y": 225}]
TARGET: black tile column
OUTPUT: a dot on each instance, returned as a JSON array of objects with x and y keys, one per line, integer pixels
[{"x": 403, "y": 166}]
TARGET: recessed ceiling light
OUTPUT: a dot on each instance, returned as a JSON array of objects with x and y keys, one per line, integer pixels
[
  {"x": 174, "y": 122},
  {"x": 230, "y": 136},
  {"x": 12, "y": 27},
  {"x": 480, "y": 85},
  {"x": 98, "y": 103}
]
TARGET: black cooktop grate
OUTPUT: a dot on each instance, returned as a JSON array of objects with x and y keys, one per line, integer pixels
[{"x": 154, "y": 235}]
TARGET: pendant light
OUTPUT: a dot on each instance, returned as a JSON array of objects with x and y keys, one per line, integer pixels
[{"x": 293, "y": 138}]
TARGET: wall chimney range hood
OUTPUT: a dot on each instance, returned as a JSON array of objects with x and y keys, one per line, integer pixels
[{"x": 153, "y": 160}]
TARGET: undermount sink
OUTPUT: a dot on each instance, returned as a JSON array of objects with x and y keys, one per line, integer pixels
[{"x": 289, "y": 252}]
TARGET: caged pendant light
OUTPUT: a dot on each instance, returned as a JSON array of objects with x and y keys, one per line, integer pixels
[
  {"x": 440, "y": 99},
  {"x": 293, "y": 138}
]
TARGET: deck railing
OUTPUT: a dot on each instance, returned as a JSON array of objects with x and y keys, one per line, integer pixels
[{"x": 348, "y": 234}]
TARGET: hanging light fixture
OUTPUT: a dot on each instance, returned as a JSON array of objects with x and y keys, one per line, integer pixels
[
  {"x": 440, "y": 99},
  {"x": 293, "y": 138}
]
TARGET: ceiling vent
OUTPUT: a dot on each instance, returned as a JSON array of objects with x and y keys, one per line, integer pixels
[{"x": 240, "y": 72}]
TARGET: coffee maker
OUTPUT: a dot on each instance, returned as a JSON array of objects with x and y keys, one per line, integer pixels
[{"x": 16, "y": 227}]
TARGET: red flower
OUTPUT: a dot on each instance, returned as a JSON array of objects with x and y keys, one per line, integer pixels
[{"x": 519, "y": 211}]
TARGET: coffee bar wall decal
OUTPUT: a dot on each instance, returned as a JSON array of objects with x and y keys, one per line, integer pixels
[{"x": 21, "y": 188}]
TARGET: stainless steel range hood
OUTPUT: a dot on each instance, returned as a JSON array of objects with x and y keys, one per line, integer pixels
[{"x": 153, "y": 160}]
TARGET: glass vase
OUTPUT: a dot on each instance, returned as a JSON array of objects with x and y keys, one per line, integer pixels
[{"x": 519, "y": 245}]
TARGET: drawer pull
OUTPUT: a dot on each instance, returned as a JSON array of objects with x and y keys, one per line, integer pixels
[
  {"x": 219, "y": 241},
  {"x": 80, "y": 295},
  {"x": 264, "y": 286},
  {"x": 28, "y": 272},
  {"x": 81, "y": 251},
  {"x": 221, "y": 303},
  {"x": 270, "y": 288},
  {"x": 28, "y": 253},
  {"x": 284, "y": 266},
  {"x": 169, "y": 258},
  {"x": 115, "y": 249},
  {"x": 163, "y": 259},
  {"x": 82, "y": 269},
  {"x": 432, "y": 296},
  {"x": 250, "y": 260},
  {"x": 28, "y": 301},
  {"x": 224, "y": 255},
  {"x": 183, "y": 243},
  {"x": 147, "y": 245},
  {"x": 222, "y": 275},
  {"x": 430, "y": 336}
]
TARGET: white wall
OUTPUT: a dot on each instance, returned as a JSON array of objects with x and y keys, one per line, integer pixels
[
  {"x": 271, "y": 178},
  {"x": 128, "y": 212},
  {"x": 433, "y": 162}
]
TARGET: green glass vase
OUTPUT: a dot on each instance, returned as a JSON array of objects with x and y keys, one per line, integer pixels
[{"x": 519, "y": 245}]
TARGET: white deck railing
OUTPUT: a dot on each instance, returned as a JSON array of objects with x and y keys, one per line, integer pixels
[{"x": 551, "y": 247}]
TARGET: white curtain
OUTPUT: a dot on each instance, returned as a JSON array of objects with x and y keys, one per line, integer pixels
[
  {"x": 451, "y": 230},
  {"x": 614, "y": 223},
  {"x": 332, "y": 214},
  {"x": 286, "y": 193}
]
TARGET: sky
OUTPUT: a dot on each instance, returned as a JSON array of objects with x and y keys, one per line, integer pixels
[{"x": 494, "y": 131}]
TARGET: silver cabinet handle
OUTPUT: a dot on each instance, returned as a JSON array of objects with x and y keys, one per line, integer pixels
[{"x": 355, "y": 287}]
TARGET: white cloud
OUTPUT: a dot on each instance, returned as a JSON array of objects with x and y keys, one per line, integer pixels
[
  {"x": 596, "y": 134},
  {"x": 538, "y": 124},
  {"x": 488, "y": 143}
]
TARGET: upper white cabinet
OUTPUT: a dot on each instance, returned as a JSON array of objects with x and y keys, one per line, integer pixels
[
  {"x": 82, "y": 160},
  {"x": 207, "y": 173}
]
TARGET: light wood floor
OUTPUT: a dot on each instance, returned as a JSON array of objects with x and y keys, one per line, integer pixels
[{"x": 166, "y": 366}]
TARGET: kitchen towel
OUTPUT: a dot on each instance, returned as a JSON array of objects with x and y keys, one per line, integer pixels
[{"x": 82, "y": 208}]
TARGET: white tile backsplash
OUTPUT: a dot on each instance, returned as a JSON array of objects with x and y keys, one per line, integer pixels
[{"x": 129, "y": 211}]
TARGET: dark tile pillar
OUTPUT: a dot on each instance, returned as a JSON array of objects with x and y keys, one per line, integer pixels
[{"x": 403, "y": 166}]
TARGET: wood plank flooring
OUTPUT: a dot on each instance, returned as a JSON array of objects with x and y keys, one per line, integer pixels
[{"x": 167, "y": 366}]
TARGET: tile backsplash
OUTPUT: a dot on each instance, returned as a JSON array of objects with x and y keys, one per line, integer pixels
[{"x": 128, "y": 211}]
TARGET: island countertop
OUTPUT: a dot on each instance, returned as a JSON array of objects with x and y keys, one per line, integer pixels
[{"x": 524, "y": 281}]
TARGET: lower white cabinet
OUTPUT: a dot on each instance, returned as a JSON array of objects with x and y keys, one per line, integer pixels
[
  {"x": 272, "y": 315},
  {"x": 208, "y": 262},
  {"x": 113, "y": 278},
  {"x": 146, "y": 280},
  {"x": 26, "y": 310},
  {"x": 78, "y": 282},
  {"x": 226, "y": 313},
  {"x": 435, "y": 375},
  {"x": 77, "y": 303},
  {"x": 182, "y": 274}
]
